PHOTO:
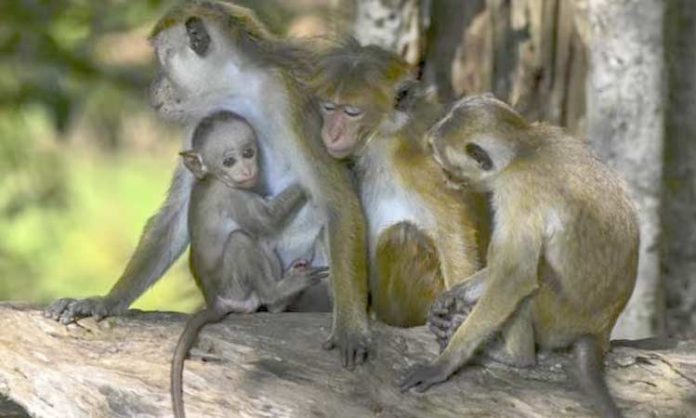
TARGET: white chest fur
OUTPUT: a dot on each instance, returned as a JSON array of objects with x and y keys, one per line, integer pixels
[{"x": 386, "y": 201}]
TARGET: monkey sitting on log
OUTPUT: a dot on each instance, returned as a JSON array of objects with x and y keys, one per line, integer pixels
[
  {"x": 422, "y": 237},
  {"x": 216, "y": 55},
  {"x": 233, "y": 234},
  {"x": 563, "y": 257}
]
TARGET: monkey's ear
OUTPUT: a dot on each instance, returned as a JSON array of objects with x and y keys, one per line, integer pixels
[
  {"x": 479, "y": 155},
  {"x": 406, "y": 95},
  {"x": 194, "y": 162},
  {"x": 199, "y": 39}
]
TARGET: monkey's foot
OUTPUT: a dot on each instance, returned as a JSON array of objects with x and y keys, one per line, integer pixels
[
  {"x": 422, "y": 376},
  {"x": 498, "y": 353},
  {"x": 70, "y": 310},
  {"x": 354, "y": 347}
]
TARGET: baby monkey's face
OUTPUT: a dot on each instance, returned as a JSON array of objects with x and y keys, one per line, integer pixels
[{"x": 231, "y": 154}]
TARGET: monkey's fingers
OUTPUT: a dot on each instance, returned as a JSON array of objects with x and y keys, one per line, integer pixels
[
  {"x": 319, "y": 272},
  {"x": 355, "y": 349},
  {"x": 76, "y": 309},
  {"x": 422, "y": 376},
  {"x": 440, "y": 332},
  {"x": 443, "y": 322},
  {"x": 55, "y": 310}
]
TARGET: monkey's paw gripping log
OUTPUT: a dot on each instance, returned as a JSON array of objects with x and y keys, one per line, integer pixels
[
  {"x": 271, "y": 365},
  {"x": 69, "y": 310},
  {"x": 354, "y": 347},
  {"x": 447, "y": 313}
]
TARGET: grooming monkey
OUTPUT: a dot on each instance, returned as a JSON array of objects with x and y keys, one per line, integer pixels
[
  {"x": 233, "y": 232},
  {"x": 563, "y": 258},
  {"x": 421, "y": 236},
  {"x": 214, "y": 56}
]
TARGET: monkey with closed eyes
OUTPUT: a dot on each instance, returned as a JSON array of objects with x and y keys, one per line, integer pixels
[{"x": 233, "y": 234}]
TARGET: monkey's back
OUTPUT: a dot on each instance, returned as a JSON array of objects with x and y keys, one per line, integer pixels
[{"x": 590, "y": 252}]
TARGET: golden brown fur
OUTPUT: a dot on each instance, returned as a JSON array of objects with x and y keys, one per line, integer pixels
[
  {"x": 431, "y": 242},
  {"x": 563, "y": 256}
]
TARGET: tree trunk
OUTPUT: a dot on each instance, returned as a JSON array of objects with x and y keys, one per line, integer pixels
[
  {"x": 679, "y": 194},
  {"x": 396, "y": 25},
  {"x": 272, "y": 365},
  {"x": 625, "y": 124},
  {"x": 529, "y": 53}
]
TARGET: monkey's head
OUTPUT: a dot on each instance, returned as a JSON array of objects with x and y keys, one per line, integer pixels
[
  {"x": 202, "y": 48},
  {"x": 362, "y": 90},
  {"x": 477, "y": 140},
  {"x": 224, "y": 147}
]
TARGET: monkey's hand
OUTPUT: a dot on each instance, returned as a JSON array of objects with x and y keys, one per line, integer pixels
[
  {"x": 448, "y": 312},
  {"x": 313, "y": 275},
  {"x": 70, "y": 310},
  {"x": 422, "y": 376},
  {"x": 354, "y": 345}
]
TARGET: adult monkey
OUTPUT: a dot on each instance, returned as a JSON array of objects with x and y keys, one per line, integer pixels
[
  {"x": 215, "y": 56},
  {"x": 421, "y": 235}
]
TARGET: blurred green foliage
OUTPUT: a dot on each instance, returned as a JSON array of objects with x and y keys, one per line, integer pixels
[{"x": 71, "y": 213}]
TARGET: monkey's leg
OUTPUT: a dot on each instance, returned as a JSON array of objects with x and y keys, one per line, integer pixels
[
  {"x": 276, "y": 296},
  {"x": 590, "y": 375},
  {"x": 518, "y": 347},
  {"x": 163, "y": 240},
  {"x": 191, "y": 330},
  {"x": 508, "y": 285},
  {"x": 408, "y": 276}
]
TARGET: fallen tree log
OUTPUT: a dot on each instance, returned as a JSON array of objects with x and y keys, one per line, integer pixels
[{"x": 271, "y": 365}]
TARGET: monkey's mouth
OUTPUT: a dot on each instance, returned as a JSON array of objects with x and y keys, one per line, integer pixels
[{"x": 452, "y": 181}]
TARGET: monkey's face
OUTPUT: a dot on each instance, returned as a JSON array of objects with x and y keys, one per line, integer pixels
[
  {"x": 345, "y": 127},
  {"x": 476, "y": 141},
  {"x": 231, "y": 153}
]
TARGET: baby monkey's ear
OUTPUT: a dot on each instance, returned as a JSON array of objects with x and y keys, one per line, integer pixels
[{"x": 194, "y": 162}]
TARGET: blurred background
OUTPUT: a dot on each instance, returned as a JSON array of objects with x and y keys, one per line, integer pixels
[{"x": 84, "y": 161}]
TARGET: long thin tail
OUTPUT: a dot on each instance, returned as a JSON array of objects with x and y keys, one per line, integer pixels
[
  {"x": 590, "y": 375},
  {"x": 193, "y": 326},
  {"x": 653, "y": 343}
]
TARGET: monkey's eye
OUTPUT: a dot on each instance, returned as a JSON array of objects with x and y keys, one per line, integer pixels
[
  {"x": 328, "y": 106},
  {"x": 248, "y": 153},
  {"x": 229, "y": 162},
  {"x": 480, "y": 156},
  {"x": 199, "y": 39},
  {"x": 353, "y": 112}
]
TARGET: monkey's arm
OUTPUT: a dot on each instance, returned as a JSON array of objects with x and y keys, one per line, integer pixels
[
  {"x": 512, "y": 277},
  {"x": 267, "y": 217},
  {"x": 457, "y": 249},
  {"x": 164, "y": 238}
]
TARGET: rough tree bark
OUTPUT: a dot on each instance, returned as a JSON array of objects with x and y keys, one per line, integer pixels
[
  {"x": 272, "y": 365},
  {"x": 529, "y": 53},
  {"x": 679, "y": 194},
  {"x": 625, "y": 124}
]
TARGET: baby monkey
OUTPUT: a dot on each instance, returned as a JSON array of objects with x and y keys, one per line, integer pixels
[
  {"x": 233, "y": 230},
  {"x": 563, "y": 257}
]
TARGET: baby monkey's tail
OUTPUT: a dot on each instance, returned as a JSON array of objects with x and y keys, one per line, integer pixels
[
  {"x": 589, "y": 362},
  {"x": 193, "y": 326}
]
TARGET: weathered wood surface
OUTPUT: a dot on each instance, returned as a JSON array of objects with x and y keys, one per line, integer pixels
[{"x": 272, "y": 366}]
